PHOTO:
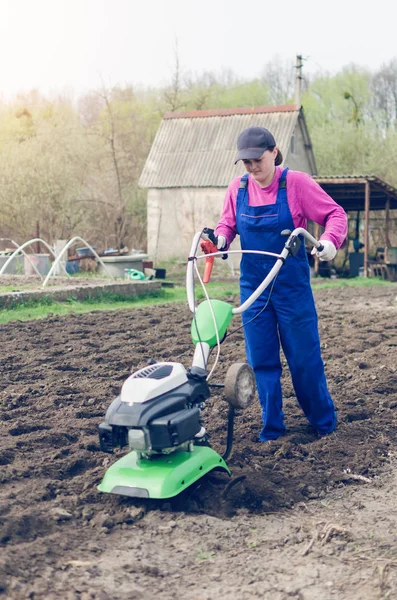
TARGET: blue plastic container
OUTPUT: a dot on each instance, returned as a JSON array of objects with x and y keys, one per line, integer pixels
[{"x": 72, "y": 267}]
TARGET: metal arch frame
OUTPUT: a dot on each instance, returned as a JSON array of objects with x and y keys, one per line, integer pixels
[
  {"x": 70, "y": 242},
  {"x": 57, "y": 258},
  {"x": 21, "y": 249}
]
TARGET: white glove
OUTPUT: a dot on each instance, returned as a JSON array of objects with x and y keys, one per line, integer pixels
[
  {"x": 221, "y": 245},
  {"x": 327, "y": 253}
]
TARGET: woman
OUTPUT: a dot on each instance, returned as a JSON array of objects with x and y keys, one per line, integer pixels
[{"x": 258, "y": 207}]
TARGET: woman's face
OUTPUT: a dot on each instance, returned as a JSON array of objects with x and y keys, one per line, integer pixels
[{"x": 262, "y": 169}]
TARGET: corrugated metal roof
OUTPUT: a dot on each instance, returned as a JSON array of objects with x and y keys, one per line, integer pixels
[
  {"x": 349, "y": 191},
  {"x": 355, "y": 178},
  {"x": 198, "y": 148}
]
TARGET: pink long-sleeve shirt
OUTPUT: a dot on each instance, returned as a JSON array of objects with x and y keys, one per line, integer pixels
[{"x": 306, "y": 201}]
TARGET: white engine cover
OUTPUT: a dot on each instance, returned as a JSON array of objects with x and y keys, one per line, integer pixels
[{"x": 149, "y": 382}]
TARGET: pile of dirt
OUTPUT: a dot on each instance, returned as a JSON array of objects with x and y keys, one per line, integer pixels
[{"x": 59, "y": 376}]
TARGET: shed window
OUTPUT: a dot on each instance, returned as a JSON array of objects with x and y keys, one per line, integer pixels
[{"x": 292, "y": 144}]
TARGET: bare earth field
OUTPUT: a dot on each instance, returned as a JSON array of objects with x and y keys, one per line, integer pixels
[{"x": 307, "y": 518}]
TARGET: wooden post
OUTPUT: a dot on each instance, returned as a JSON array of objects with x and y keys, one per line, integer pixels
[
  {"x": 38, "y": 235},
  {"x": 387, "y": 229},
  {"x": 366, "y": 228},
  {"x": 298, "y": 80}
]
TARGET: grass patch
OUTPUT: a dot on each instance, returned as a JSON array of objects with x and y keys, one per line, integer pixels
[
  {"x": 321, "y": 283},
  {"x": 46, "y": 307}
]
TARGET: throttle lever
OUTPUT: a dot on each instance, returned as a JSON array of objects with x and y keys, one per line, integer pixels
[{"x": 210, "y": 233}]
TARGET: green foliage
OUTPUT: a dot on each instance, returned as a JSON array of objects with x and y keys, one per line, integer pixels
[
  {"x": 73, "y": 168},
  {"x": 40, "y": 169},
  {"x": 334, "y": 108},
  {"x": 253, "y": 93},
  {"x": 76, "y": 172},
  {"x": 322, "y": 284},
  {"x": 342, "y": 98},
  {"x": 210, "y": 91}
]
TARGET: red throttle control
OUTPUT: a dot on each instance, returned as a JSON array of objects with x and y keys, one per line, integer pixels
[{"x": 208, "y": 248}]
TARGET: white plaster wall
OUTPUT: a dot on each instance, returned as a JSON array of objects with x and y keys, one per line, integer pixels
[
  {"x": 175, "y": 215},
  {"x": 298, "y": 161}
]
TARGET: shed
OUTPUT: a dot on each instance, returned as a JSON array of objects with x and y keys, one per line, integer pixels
[
  {"x": 361, "y": 195},
  {"x": 191, "y": 163}
]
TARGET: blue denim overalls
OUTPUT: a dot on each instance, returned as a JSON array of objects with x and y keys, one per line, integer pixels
[{"x": 289, "y": 318}]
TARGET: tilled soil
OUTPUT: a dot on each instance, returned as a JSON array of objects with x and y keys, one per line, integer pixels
[{"x": 302, "y": 517}]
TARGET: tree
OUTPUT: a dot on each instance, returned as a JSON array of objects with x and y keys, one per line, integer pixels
[
  {"x": 41, "y": 170},
  {"x": 384, "y": 94},
  {"x": 120, "y": 142},
  {"x": 279, "y": 78},
  {"x": 173, "y": 95}
]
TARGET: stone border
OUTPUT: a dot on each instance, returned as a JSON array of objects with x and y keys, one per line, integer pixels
[{"x": 130, "y": 289}]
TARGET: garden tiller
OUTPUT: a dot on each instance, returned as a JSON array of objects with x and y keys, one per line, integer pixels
[{"x": 157, "y": 415}]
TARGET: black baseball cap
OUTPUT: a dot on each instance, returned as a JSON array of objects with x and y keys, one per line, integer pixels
[{"x": 252, "y": 143}]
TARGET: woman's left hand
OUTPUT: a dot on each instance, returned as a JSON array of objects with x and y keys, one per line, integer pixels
[{"x": 327, "y": 253}]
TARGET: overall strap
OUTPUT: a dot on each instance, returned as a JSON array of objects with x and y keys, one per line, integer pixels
[
  {"x": 243, "y": 189},
  {"x": 244, "y": 180},
  {"x": 282, "y": 182}
]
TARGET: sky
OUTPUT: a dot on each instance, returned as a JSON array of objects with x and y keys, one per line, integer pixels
[{"x": 75, "y": 46}]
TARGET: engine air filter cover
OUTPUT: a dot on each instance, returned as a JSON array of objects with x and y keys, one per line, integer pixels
[{"x": 152, "y": 381}]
